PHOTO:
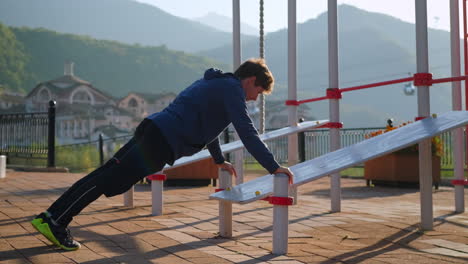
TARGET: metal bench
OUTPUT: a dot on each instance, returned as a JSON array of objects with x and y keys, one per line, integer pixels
[
  {"x": 157, "y": 182},
  {"x": 327, "y": 164}
]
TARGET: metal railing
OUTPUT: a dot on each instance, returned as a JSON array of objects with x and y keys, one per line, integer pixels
[
  {"x": 91, "y": 154},
  {"x": 28, "y": 135}
]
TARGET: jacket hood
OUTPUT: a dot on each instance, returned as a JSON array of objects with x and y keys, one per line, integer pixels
[{"x": 216, "y": 73}]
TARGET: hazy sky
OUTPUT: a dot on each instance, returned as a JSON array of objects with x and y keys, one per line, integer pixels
[{"x": 276, "y": 10}]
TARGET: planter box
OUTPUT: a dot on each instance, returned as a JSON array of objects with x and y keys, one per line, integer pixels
[
  {"x": 196, "y": 174},
  {"x": 399, "y": 168}
]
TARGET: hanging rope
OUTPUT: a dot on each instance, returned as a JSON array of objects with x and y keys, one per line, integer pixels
[
  {"x": 262, "y": 46},
  {"x": 262, "y": 55}
]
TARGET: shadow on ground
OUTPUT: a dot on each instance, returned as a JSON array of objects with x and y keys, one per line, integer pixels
[{"x": 364, "y": 192}]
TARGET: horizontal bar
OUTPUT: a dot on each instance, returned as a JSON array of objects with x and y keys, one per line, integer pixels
[
  {"x": 450, "y": 79},
  {"x": 5, "y": 115},
  {"x": 376, "y": 84},
  {"x": 313, "y": 100},
  {"x": 409, "y": 79}
]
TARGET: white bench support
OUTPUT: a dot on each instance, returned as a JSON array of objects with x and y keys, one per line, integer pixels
[
  {"x": 425, "y": 185},
  {"x": 2, "y": 166},
  {"x": 157, "y": 188},
  {"x": 293, "y": 192},
  {"x": 239, "y": 162},
  {"x": 128, "y": 197},
  {"x": 280, "y": 215},
  {"x": 225, "y": 208},
  {"x": 459, "y": 173}
]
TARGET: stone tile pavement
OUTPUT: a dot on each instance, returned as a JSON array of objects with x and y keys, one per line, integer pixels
[{"x": 376, "y": 225}]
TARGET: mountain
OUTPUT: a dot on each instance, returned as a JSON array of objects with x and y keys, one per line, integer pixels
[
  {"x": 373, "y": 47},
  {"x": 224, "y": 23},
  {"x": 112, "y": 67},
  {"x": 124, "y": 21}
]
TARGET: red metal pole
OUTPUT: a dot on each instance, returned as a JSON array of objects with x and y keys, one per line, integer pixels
[
  {"x": 365, "y": 86},
  {"x": 450, "y": 79},
  {"x": 409, "y": 79},
  {"x": 465, "y": 48},
  {"x": 313, "y": 100}
]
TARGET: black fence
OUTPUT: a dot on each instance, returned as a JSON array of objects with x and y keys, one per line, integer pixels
[
  {"x": 31, "y": 136},
  {"x": 86, "y": 156},
  {"x": 28, "y": 136}
]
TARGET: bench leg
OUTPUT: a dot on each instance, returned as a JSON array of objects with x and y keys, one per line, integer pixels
[
  {"x": 280, "y": 216},
  {"x": 2, "y": 166},
  {"x": 157, "y": 188},
  {"x": 293, "y": 192},
  {"x": 128, "y": 197},
  {"x": 225, "y": 208}
]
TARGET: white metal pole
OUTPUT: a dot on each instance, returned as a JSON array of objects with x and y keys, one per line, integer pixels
[
  {"x": 225, "y": 208},
  {"x": 280, "y": 216},
  {"x": 128, "y": 197},
  {"x": 2, "y": 166},
  {"x": 293, "y": 156},
  {"x": 292, "y": 80},
  {"x": 425, "y": 155},
  {"x": 334, "y": 106},
  {"x": 157, "y": 200},
  {"x": 236, "y": 35},
  {"x": 239, "y": 163},
  {"x": 457, "y": 134},
  {"x": 236, "y": 44}
]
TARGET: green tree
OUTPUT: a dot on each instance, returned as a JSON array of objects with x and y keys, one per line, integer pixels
[{"x": 12, "y": 61}]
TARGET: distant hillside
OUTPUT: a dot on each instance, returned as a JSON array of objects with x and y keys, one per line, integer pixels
[
  {"x": 372, "y": 47},
  {"x": 110, "y": 66},
  {"x": 224, "y": 23},
  {"x": 125, "y": 21},
  {"x": 13, "y": 61}
]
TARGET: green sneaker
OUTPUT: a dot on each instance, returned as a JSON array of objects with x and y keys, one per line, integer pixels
[{"x": 58, "y": 235}]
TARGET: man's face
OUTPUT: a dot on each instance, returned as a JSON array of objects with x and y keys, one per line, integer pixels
[{"x": 251, "y": 90}]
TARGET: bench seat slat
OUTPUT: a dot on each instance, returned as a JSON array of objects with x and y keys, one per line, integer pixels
[
  {"x": 236, "y": 145},
  {"x": 349, "y": 156}
]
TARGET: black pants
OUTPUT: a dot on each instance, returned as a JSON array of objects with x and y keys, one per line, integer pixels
[{"x": 147, "y": 152}]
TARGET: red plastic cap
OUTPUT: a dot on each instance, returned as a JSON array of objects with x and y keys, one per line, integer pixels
[
  {"x": 219, "y": 190},
  {"x": 292, "y": 102},
  {"x": 423, "y": 79},
  {"x": 157, "y": 177},
  {"x": 333, "y": 93},
  {"x": 280, "y": 200},
  {"x": 460, "y": 182},
  {"x": 419, "y": 118},
  {"x": 332, "y": 125}
]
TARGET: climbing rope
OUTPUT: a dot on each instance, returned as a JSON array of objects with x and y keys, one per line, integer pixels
[{"x": 262, "y": 55}]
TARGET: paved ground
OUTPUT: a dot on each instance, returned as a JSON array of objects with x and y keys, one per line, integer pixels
[{"x": 376, "y": 225}]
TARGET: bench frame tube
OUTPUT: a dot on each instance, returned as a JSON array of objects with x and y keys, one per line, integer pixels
[
  {"x": 225, "y": 208},
  {"x": 280, "y": 215}
]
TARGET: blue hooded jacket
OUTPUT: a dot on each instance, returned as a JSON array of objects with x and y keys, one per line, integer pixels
[{"x": 202, "y": 111}]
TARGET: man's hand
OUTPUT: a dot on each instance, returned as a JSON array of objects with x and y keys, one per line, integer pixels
[
  {"x": 229, "y": 167},
  {"x": 286, "y": 171}
]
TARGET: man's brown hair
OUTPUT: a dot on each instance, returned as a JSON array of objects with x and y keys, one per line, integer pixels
[{"x": 259, "y": 69}]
